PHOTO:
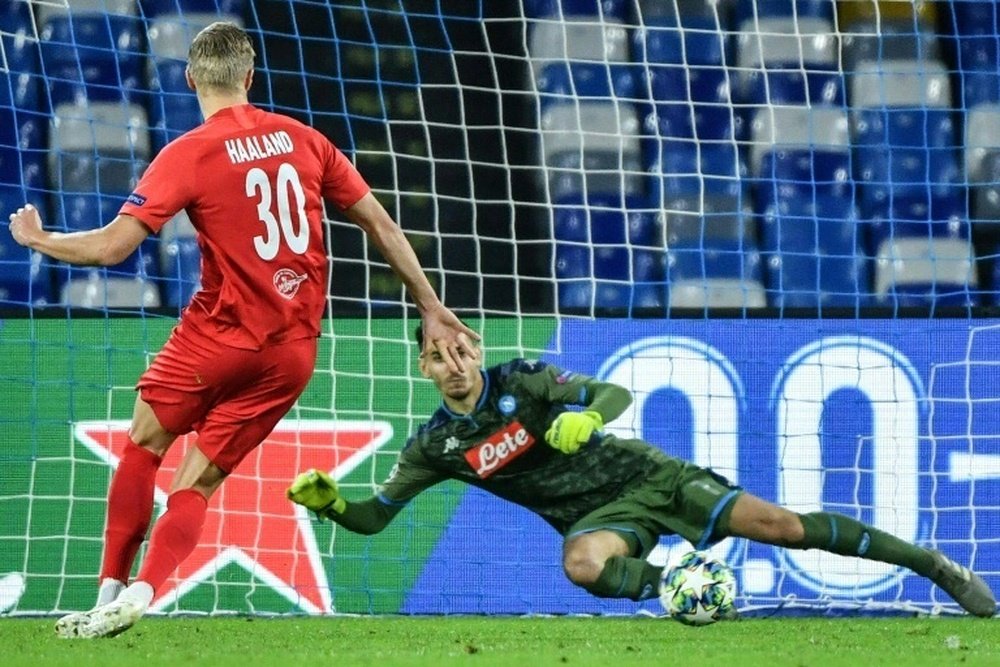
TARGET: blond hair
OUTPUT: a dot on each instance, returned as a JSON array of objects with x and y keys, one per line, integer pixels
[{"x": 220, "y": 57}]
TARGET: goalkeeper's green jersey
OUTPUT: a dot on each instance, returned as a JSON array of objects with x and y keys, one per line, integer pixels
[{"x": 500, "y": 447}]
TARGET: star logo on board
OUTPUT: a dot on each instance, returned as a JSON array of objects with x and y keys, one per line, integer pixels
[{"x": 249, "y": 522}]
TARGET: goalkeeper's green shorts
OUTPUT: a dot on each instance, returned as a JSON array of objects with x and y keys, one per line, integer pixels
[{"x": 678, "y": 499}]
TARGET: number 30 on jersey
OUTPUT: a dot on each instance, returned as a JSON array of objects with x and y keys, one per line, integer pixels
[{"x": 260, "y": 188}]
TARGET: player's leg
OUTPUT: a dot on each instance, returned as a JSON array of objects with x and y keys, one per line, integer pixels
[
  {"x": 604, "y": 552},
  {"x": 759, "y": 520},
  {"x": 263, "y": 386},
  {"x": 130, "y": 498},
  {"x": 129, "y": 508},
  {"x": 174, "y": 537}
]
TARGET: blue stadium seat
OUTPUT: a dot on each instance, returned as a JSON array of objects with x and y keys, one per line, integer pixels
[
  {"x": 24, "y": 274},
  {"x": 814, "y": 253},
  {"x": 980, "y": 87},
  {"x": 688, "y": 13},
  {"x": 607, "y": 256},
  {"x": 181, "y": 270},
  {"x": 790, "y": 86},
  {"x": 745, "y": 10},
  {"x": 563, "y": 82},
  {"x": 799, "y": 151},
  {"x": 784, "y": 44},
  {"x": 865, "y": 42},
  {"x": 683, "y": 168},
  {"x": 577, "y": 40},
  {"x": 687, "y": 81},
  {"x": 706, "y": 219},
  {"x": 93, "y": 56},
  {"x": 611, "y": 9},
  {"x": 154, "y": 8},
  {"x": 720, "y": 275},
  {"x": 926, "y": 272},
  {"x": 905, "y": 140},
  {"x": 975, "y": 18},
  {"x": 915, "y": 217},
  {"x": 591, "y": 147}
]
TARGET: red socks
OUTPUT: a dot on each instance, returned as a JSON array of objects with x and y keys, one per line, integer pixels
[
  {"x": 130, "y": 506},
  {"x": 174, "y": 537}
]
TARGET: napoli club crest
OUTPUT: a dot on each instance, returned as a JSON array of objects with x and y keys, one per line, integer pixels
[{"x": 507, "y": 405}]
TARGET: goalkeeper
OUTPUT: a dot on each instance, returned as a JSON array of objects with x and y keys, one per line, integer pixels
[{"x": 507, "y": 430}]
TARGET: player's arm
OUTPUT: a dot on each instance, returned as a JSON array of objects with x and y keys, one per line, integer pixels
[
  {"x": 318, "y": 492},
  {"x": 442, "y": 328},
  {"x": 602, "y": 401},
  {"x": 106, "y": 246}
]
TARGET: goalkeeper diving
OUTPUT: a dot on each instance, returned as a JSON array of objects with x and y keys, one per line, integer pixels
[{"x": 509, "y": 430}]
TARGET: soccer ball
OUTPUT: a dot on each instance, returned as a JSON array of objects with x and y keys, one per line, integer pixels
[{"x": 698, "y": 590}]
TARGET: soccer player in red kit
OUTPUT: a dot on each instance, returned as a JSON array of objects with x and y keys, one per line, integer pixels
[{"x": 253, "y": 184}]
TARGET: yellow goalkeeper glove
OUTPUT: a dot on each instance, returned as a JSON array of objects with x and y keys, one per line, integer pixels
[
  {"x": 572, "y": 429},
  {"x": 316, "y": 491}
]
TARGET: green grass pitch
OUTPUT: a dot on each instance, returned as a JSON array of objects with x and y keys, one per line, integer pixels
[{"x": 528, "y": 642}]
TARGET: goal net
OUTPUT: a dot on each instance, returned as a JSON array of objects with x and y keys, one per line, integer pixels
[{"x": 772, "y": 221}]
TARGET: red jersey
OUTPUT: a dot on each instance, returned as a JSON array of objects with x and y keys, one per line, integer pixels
[{"x": 253, "y": 184}]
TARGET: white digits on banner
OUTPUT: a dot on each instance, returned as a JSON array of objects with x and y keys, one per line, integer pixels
[
  {"x": 709, "y": 382},
  {"x": 807, "y": 380},
  {"x": 258, "y": 185},
  {"x": 894, "y": 392}
]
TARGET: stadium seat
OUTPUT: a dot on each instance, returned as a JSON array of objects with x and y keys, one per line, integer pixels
[
  {"x": 591, "y": 147},
  {"x": 564, "y": 82},
  {"x": 98, "y": 148},
  {"x": 154, "y": 8},
  {"x": 887, "y": 40},
  {"x": 814, "y": 253},
  {"x": 687, "y": 13},
  {"x": 786, "y": 45},
  {"x": 91, "y": 55},
  {"x": 180, "y": 261},
  {"x": 610, "y": 9},
  {"x": 682, "y": 169},
  {"x": 688, "y": 81},
  {"x": 745, "y": 10},
  {"x": 916, "y": 217},
  {"x": 607, "y": 255},
  {"x": 721, "y": 275},
  {"x": 95, "y": 291},
  {"x": 925, "y": 272},
  {"x": 697, "y": 219},
  {"x": 982, "y": 137},
  {"x": 579, "y": 40},
  {"x": 903, "y": 134},
  {"x": 24, "y": 274},
  {"x": 985, "y": 190}
]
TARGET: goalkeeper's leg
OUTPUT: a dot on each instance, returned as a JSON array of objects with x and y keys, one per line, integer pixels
[
  {"x": 761, "y": 521},
  {"x": 600, "y": 562}
]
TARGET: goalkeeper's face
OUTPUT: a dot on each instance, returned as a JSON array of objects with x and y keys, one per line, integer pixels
[{"x": 456, "y": 385}]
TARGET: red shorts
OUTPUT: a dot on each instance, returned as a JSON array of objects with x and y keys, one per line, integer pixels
[{"x": 232, "y": 398}]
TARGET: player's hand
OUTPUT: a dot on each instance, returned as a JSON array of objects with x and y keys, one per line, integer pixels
[
  {"x": 26, "y": 225},
  {"x": 316, "y": 491},
  {"x": 450, "y": 337},
  {"x": 572, "y": 429}
]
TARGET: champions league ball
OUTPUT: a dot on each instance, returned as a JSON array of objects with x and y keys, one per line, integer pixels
[{"x": 699, "y": 590}]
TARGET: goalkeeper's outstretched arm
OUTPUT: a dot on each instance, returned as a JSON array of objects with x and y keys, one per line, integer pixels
[
  {"x": 366, "y": 517},
  {"x": 318, "y": 492}
]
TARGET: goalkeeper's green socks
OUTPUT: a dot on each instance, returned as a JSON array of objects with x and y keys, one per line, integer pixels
[
  {"x": 631, "y": 578},
  {"x": 843, "y": 535}
]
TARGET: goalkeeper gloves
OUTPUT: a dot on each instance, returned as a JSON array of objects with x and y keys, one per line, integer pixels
[
  {"x": 572, "y": 429},
  {"x": 316, "y": 491}
]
